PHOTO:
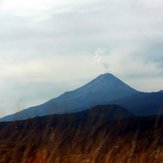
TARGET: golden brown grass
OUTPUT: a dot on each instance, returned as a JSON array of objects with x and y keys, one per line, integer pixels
[{"x": 71, "y": 139}]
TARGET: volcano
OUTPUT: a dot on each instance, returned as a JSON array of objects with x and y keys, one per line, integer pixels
[{"x": 103, "y": 89}]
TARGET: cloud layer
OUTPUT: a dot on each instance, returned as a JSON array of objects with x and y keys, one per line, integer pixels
[{"x": 48, "y": 47}]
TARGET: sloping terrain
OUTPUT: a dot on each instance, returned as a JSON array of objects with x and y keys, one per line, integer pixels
[
  {"x": 103, "y": 134},
  {"x": 161, "y": 91},
  {"x": 105, "y": 87},
  {"x": 143, "y": 104}
]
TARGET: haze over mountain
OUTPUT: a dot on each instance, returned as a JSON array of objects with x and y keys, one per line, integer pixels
[{"x": 104, "y": 88}]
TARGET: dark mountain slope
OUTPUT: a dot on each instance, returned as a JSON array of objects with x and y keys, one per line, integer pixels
[
  {"x": 105, "y": 87},
  {"x": 161, "y": 91},
  {"x": 143, "y": 103}
]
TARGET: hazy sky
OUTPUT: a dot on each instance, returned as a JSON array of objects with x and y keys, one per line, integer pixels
[{"x": 51, "y": 46}]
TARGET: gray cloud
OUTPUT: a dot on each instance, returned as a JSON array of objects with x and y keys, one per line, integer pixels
[{"x": 49, "y": 44}]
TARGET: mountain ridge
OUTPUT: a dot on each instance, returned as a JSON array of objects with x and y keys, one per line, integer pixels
[
  {"x": 142, "y": 103},
  {"x": 105, "y": 87}
]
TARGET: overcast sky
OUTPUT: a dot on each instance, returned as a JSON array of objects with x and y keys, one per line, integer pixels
[{"x": 51, "y": 46}]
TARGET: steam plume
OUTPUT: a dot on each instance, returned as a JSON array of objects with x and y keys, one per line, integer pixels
[{"x": 100, "y": 57}]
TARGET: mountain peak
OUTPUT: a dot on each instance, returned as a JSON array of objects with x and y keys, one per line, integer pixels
[
  {"x": 107, "y": 80},
  {"x": 105, "y": 76}
]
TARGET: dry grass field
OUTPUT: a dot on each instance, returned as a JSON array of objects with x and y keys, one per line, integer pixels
[{"x": 82, "y": 138}]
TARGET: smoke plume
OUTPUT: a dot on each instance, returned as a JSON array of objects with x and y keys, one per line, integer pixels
[{"x": 101, "y": 58}]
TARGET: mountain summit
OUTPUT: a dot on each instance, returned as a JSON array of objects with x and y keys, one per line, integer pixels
[{"x": 104, "y": 88}]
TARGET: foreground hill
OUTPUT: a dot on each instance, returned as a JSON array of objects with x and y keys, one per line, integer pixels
[{"x": 103, "y": 134}]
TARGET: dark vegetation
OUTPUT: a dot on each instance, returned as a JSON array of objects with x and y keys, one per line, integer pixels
[{"x": 104, "y": 134}]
